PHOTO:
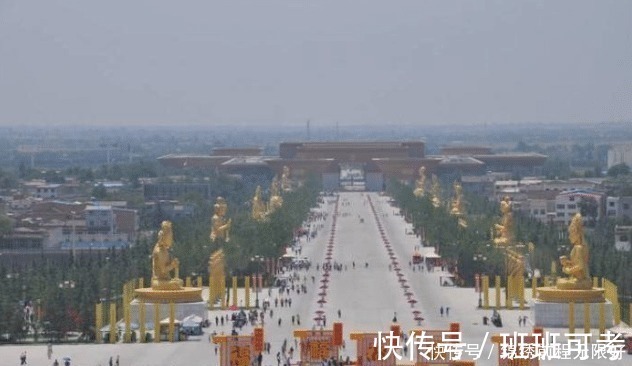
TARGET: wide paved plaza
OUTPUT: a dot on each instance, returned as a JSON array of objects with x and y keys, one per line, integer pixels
[{"x": 371, "y": 287}]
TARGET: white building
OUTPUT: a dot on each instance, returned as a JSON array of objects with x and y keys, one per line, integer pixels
[
  {"x": 623, "y": 238},
  {"x": 540, "y": 205},
  {"x": 621, "y": 153},
  {"x": 40, "y": 189},
  {"x": 99, "y": 219},
  {"x": 567, "y": 204},
  {"x": 619, "y": 207}
]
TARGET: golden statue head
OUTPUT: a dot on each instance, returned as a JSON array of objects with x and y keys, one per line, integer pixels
[
  {"x": 422, "y": 171},
  {"x": 576, "y": 230},
  {"x": 165, "y": 235},
  {"x": 457, "y": 188},
  {"x": 220, "y": 206},
  {"x": 274, "y": 186},
  {"x": 505, "y": 205}
]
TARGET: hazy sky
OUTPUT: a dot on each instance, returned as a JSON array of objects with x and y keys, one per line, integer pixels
[{"x": 264, "y": 61}]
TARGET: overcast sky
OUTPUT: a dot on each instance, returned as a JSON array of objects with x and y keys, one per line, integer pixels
[{"x": 352, "y": 62}]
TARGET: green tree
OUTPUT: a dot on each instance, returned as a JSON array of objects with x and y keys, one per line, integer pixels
[
  {"x": 6, "y": 225},
  {"x": 7, "y": 180},
  {"x": 556, "y": 168},
  {"x": 99, "y": 192},
  {"x": 589, "y": 208},
  {"x": 619, "y": 169}
]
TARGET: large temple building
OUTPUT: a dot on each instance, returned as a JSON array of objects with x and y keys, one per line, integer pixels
[{"x": 359, "y": 165}]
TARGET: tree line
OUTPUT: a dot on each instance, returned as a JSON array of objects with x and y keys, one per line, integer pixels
[
  {"x": 465, "y": 248},
  {"x": 61, "y": 296}
]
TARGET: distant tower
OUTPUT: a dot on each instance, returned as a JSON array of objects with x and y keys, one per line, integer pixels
[
  {"x": 308, "y": 137},
  {"x": 337, "y": 132}
]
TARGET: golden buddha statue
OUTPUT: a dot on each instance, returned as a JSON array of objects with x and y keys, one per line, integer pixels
[
  {"x": 258, "y": 206},
  {"x": 457, "y": 209},
  {"x": 504, "y": 230},
  {"x": 165, "y": 288},
  {"x": 576, "y": 266},
  {"x": 436, "y": 192},
  {"x": 276, "y": 201},
  {"x": 286, "y": 184},
  {"x": 220, "y": 227},
  {"x": 578, "y": 286},
  {"x": 420, "y": 184},
  {"x": 162, "y": 263},
  {"x": 457, "y": 204}
]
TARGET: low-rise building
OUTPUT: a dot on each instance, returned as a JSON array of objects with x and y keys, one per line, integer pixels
[
  {"x": 99, "y": 219},
  {"x": 111, "y": 186},
  {"x": 169, "y": 210},
  {"x": 482, "y": 185},
  {"x": 623, "y": 238},
  {"x": 619, "y": 207},
  {"x": 55, "y": 225},
  {"x": 620, "y": 153},
  {"x": 172, "y": 191},
  {"x": 112, "y": 223},
  {"x": 540, "y": 205},
  {"x": 40, "y": 189},
  {"x": 568, "y": 203}
]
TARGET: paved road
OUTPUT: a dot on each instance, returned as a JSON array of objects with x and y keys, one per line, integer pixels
[{"x": 368, "y": 295}]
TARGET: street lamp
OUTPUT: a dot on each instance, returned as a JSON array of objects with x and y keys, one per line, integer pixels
[
  {"x": 259, "y": 260},
  {"x": 479, "y": 258},
  {"x": 536, "y": 275},
  {"x": 478, "y": 289}
]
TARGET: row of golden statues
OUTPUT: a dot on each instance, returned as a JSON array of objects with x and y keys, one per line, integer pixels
[
  {"x": 575, "y": 266},
  {"x": 457, "y": 207},
  {"x": 162, "y": 260},
  {"x": 261, "y": 210},
  {"x": 220, "y": 225}
]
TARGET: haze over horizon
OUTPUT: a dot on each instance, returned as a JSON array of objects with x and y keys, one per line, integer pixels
[{"x": 354, "y": 62}]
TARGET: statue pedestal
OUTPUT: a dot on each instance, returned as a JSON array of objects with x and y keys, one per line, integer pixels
[
  {"x": 187, "y": 300},
  {"x": 555, "y": 295},
  {"x": 555, "y": 314},
  {"x": 181, "y": 295},
  {"x": 182, "y": 310}
]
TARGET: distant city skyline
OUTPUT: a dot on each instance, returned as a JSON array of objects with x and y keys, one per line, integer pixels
[{"x": 372, "y": 63}]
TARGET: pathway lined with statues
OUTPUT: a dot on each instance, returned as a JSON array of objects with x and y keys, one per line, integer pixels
[{"x": 366, "y": 247}]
